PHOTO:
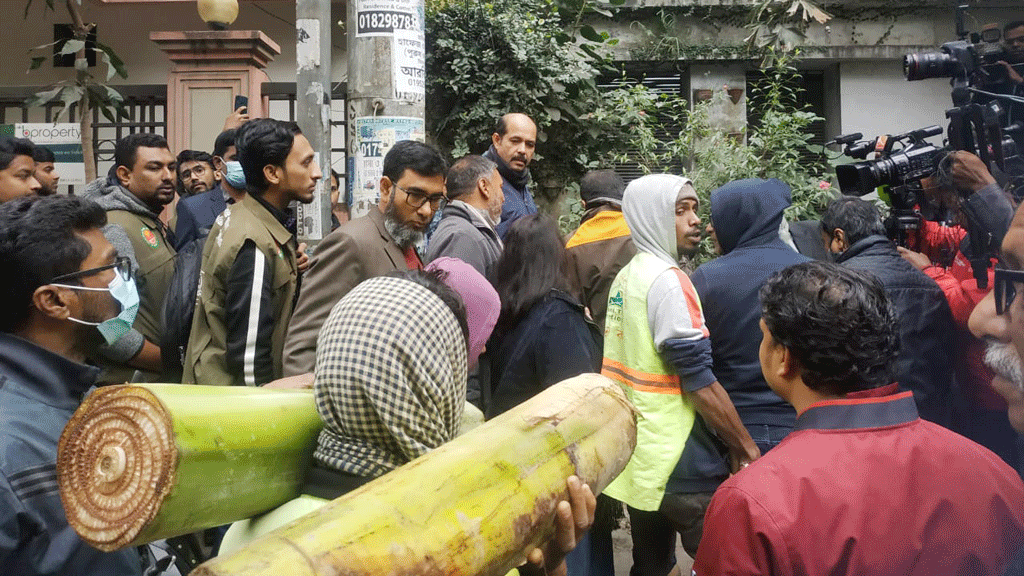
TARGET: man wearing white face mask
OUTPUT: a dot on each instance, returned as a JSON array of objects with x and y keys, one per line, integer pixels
[
  {"x": 67, "y": 292},
  {"x": 196, "y": 214}
]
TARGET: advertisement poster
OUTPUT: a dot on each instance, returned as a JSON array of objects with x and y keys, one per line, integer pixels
[
  {"x": 374, "y": 137},
  {"x": 408, "y": 65},
  {"x": 65, "y": 141},
  {"x": 385, "y": 17}
]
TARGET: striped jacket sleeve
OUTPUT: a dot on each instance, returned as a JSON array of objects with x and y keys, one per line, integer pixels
[{"x": 249, "y": 316}]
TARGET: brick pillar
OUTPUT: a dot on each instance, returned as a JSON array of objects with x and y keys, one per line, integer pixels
[{"x": 208, "y": 69}]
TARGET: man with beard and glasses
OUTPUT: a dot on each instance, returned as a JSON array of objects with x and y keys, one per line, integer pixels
[
  {"x": 512, "y": 146},
  {"x": 382, "y": 241}
]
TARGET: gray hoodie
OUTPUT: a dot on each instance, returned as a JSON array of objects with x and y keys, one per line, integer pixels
[
  {"x": 673, "y": 308},
  {"x": 116, "y": 197}
]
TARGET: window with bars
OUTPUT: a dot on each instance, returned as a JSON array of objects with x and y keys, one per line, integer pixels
[{"x": 661, "y": 78}]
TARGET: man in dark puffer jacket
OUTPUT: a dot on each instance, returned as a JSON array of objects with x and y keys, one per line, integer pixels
[{"x": 854, "y": 233}]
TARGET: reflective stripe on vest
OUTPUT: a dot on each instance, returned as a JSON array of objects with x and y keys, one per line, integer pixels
[{"x": 631, "y": 358}]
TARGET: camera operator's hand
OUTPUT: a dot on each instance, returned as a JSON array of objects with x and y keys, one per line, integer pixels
[
  {"x": 969, "y": 172},
  {"x": 1012, "y": 74},
  {"x": 918, "y": 260}
]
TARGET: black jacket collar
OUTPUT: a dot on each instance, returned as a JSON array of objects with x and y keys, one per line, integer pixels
[
  {"x": 37, "y": 373},
  {"x": 876, "y": 408}
]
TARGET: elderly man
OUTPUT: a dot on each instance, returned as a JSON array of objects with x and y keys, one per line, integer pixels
[
  {"x": 512, "y": 146},
  {"x": 863, "y": 485},
  {"x": 383, "y": 241},
  {"x": 467, "y": 227}
]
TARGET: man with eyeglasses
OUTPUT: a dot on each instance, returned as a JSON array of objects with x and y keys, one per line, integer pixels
[
  {"x": 66, "y": 292},
  {"x": 250, "y": 270},
  {"x": 382, "y": 241},
  {"x": 195, "y": 173}
]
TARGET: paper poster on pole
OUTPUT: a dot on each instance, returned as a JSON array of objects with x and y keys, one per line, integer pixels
[
  {"x": 408, "y": 65},
  {"x": 65, "y": 141},
  {"x": 374, "y": 138},
  {"x": 384, "y": 17}
]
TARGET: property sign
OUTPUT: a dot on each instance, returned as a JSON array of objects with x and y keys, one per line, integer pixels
[
  {"x": 65, "y": 141},
  {"x": 374, "y": 138}
]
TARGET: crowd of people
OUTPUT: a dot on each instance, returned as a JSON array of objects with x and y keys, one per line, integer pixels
[{"x": 859, "y": 413}]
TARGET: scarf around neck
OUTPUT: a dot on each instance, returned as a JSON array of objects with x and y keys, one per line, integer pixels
[{"x": 518, "y": 180}]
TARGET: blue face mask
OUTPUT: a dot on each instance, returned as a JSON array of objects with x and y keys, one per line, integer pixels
[
  {"x": 127, "y": 295},
  {"x": 234, "y": 175}
]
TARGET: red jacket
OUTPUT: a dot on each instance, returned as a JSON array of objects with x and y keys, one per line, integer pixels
[
  {"x": 864, "y": 487},
  {"x": 942, "y": 244}
]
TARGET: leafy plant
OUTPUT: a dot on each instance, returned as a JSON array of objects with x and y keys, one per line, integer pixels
[
  {"x": 487, "y": 59},
  {"x": 83, "y": 89},
  {"x": 777, "y": 26}
]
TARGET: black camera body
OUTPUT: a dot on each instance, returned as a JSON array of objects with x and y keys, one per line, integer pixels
[{"x": 960, "y": 59}]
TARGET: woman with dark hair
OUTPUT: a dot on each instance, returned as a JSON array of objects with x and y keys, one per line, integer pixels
[{"x": 542, "y": 336}]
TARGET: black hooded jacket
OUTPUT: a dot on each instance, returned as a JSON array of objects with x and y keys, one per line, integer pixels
[
  {"x": 746, "y": 215},
  {"x": 925, "y": 365}
]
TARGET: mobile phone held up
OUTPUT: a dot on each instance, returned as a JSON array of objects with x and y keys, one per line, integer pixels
[{"x": 241, "y": 101}]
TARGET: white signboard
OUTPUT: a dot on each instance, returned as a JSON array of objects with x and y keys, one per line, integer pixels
[
  {"x": 408, "y": 65},
  {"x": 384, "y": 17},
  {"x": 374, "y": 137},
  {"x": 65, "y": 141}
]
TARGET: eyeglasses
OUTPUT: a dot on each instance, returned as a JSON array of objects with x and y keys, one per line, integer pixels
[
  {"x": 418, "y": 199},
  {"x": 1005, "y": 293},
  {"x": 197, "y": 170},
  {"x": 123, "y": 266}
]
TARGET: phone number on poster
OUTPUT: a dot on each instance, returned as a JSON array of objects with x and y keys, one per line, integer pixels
[{"x": 381, "y": 21}]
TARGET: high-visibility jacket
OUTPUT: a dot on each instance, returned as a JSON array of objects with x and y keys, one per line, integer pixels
[{"x": 631, "y": 358}]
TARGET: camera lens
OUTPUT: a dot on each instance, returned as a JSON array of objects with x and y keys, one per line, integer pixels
[{"x": 929, "y": 65}]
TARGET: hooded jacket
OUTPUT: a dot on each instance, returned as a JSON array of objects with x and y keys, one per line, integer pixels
[
  {"x": 674, "y": 351},
  {"x": 137, "y": 232},
  {"x": 746, "y": 215},
  {"x": 925, "y": 365}
]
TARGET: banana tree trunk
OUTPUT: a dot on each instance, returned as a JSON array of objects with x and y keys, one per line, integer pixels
[
  {"x": 472, "y": 507},
  {"x": 139, "y": 463}
]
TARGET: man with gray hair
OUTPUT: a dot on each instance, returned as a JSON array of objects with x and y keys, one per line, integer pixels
[{"x": 467, "y": 227}]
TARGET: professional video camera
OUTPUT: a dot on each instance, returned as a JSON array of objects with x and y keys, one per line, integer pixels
[
  {"x": 896, "y": 174},
  {"x": 977, "y": 58},
  {"x": 978, "y": 123}
]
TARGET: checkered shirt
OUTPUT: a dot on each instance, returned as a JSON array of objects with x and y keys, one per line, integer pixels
[{"x": 390, "y": 377}]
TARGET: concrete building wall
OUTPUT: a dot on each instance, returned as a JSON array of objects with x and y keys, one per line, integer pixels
[
  {"x": 126, "y": 28},
  {"x": 876, "y": 99}
]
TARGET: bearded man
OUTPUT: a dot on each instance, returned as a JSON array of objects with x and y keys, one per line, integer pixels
[{"x": 382, "y": 241}]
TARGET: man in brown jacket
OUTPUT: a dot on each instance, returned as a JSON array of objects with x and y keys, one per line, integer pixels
[
  {"x": 602, "y": 245},
  {"x": 250, "y": 271},
  {"x": 411, "y": 190}
]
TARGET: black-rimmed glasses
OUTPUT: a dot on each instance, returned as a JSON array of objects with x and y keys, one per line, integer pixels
[
  {"x": 418, "y": 199},
  {"x": 1005, "y": 293},
  {"x": 122, "y": 265}
]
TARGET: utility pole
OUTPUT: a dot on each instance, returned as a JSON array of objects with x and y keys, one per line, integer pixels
[
  {"x": 313, "y": 98},
  {"x": 386, "y": 81}
]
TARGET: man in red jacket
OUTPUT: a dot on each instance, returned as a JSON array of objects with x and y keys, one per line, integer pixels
[
  {"x": 944, "y": 256},
  {"x": 862, "y": 486}
]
